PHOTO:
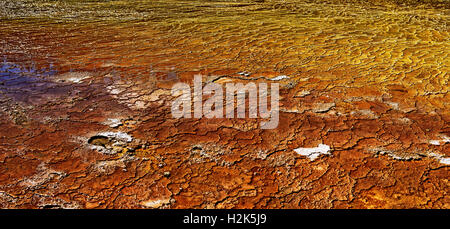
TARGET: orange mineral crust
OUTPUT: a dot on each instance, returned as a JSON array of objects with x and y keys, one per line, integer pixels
[{"x": 86, "y": 94}]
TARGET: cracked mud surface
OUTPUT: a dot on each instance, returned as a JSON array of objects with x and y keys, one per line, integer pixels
[{"x": 85, "y": 104}]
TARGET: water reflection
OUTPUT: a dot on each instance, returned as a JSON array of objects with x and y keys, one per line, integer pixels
[{"x": 29, "y": 84}]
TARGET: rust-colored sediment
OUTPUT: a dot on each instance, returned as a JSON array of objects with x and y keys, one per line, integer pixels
[{"x": 85, "y": 104}]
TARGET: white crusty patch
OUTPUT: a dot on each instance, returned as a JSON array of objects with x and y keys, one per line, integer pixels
[
  {"x": 445, "y": 160},
  {"x": 74, "y": 77},
  {"x": 435, "y": 142},
  {"x": 440, "y": 158},
  {"x": 113, "y": 122},
  {"x": 313, "y": 153},
  {"x": 280, "y": 77},
  {"x": 444, "y": 140},
  {"x": 121, "y": 136},
  {"x": 155, "y": 203}
]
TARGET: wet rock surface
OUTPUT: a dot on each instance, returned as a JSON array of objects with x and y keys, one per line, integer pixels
[{"x": 85, "y": 99}]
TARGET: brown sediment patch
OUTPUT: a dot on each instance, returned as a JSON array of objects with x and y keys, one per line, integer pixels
[{"x": 369, "y": 81}]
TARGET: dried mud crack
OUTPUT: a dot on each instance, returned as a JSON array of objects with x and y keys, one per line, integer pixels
[{"x": 85, "y": 104}]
